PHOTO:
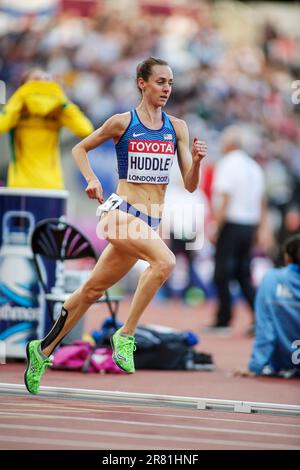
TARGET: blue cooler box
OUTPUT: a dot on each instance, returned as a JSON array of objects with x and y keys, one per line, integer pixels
[{"x": 22, "y": 306}]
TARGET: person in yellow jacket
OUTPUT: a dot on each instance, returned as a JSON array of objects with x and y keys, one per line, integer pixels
[{"x": 34, "y": 115}]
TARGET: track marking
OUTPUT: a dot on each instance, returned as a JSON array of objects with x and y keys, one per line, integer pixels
[
  {"x": 146, "y": 413},
  {"x": 151, "y": 424},
  {"x": 77, "y": 444},
  {"x": 160, "y": 437}
]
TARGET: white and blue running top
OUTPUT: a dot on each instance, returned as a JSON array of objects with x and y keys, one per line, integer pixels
[{"x": 146, "y": 155}]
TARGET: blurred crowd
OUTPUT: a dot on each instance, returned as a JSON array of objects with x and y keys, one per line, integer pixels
[{"x": 217, "y": 82}]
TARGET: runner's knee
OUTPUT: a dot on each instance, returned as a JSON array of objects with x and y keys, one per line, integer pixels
[
  {"x": 165, "y": 266},
  {"x": 91, "y": 292}
]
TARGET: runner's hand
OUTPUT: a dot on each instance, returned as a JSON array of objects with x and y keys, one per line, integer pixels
[
  {"x": 94, "y": 190},
  {"x": 199, "y": 150}
]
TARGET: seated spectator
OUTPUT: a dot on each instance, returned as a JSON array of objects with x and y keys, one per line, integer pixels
[{"x": 276, "y": 348}]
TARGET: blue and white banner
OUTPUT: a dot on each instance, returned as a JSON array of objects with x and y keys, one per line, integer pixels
[
  {"x": 22, "y": 304},
  {"x": 37, "y": 7}
]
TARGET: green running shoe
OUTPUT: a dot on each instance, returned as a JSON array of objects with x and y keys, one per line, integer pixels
[
  {"x": 123, "y": 349},
  {"x": 36, "y": 366}
]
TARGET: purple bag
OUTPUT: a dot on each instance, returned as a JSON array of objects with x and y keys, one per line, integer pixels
[{"x": 82, "y": 356}]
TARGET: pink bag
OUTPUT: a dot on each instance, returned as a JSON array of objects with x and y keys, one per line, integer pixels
[{"x": 82, "y": 356}]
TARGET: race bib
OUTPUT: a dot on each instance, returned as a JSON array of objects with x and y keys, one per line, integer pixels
[
  {"x": 149, "y": 161},
  {"x": 111, "y": 203}
]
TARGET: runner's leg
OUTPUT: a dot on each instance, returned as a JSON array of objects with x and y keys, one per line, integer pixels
[
  {"x": 112, "y": 265},
  {"x": 137, "y": 239}
]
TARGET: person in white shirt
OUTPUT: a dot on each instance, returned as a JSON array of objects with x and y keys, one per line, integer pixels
[{"x": 239, "y": 209}]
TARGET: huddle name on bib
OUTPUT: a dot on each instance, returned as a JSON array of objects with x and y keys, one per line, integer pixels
[{"x": 149, "y": 161}]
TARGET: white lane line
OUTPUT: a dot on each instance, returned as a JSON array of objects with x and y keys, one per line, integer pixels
[
  {"x": 145, "y": 413},
  {"x": 77, "y": 444},
  {"x": 152, "y": 424},
  {"x": 158, "y": 437}
]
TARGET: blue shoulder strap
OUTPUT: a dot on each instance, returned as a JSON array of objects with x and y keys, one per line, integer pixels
[{"x": 134, "y": 117}]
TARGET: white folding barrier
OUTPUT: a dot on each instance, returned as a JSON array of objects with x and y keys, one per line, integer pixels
[{"x": 155, "y": 400}]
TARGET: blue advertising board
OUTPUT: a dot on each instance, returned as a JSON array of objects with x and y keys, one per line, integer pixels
[{"x": 22, "y": 307}]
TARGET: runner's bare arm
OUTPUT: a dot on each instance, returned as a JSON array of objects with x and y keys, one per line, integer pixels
[
  {"x": 189, "y": 161},
  {"x": 113, "y": 128}
]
